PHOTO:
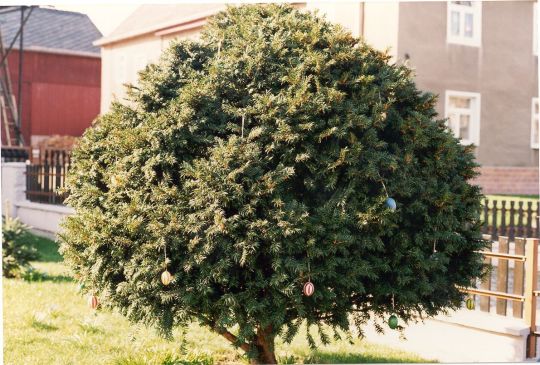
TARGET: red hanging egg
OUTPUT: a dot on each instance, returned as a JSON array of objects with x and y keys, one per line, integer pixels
[
  {"x": 309, "y": 289},
  {"x": 93, "y": 301}
]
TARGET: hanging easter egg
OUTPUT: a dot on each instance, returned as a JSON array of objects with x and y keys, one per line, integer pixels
[
  {"x": 309, "y": 289},
  {"x": 434, "y": 256},
  {"x": 166, "y": 277},
  {"x": 80, "y": 287},
  {"x": 115, "y": 181},
  {"x": 393, "y": 322},
  {"x": 93, "y": 301},
  {"x": 391, "y": 204},
  {"x": 470, "y": 303}
]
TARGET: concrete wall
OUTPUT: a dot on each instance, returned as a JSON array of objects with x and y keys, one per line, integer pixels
[
  {"x": 44, "y": 219},
  {"x": 463, "y": 336},
  {"x": 503, "y": 70}
]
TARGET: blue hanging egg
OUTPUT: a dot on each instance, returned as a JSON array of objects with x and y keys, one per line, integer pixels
[{"x": 391, "y": 204}]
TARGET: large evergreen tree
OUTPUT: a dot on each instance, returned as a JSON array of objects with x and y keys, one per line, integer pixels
[{"x": 260, "y": 158}]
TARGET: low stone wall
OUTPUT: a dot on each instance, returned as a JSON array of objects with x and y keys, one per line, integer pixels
[
  {"x": 508, "y": 180},
  {"x": 44, "y": 219},
  {"x": 463, "y": 336}
]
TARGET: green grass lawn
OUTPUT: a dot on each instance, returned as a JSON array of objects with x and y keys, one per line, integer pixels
[{"x": 48, "y": 322}]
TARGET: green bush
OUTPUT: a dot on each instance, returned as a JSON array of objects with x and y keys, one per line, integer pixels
[
  {"x": 258, "y": 158},
  {"x": 16, "y": 253}
]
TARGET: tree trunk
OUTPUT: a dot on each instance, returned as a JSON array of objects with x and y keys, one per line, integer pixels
[
  {"x": 265, "y": 347},
  {"x": 263, "y": 343}
]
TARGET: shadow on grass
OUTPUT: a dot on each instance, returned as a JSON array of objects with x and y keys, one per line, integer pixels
[
  {"x": 42, "y": 325},
  {"x": 35, "y": 276},
  {"x": 91, "y": 329},
  {"x": 46, "y": 248},
  {"x": 168, "y": 359},
  {"x": 323, "y": 357}
]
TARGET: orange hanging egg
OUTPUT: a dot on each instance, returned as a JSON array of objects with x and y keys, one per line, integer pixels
[
  {"x": 166, "y": 277},
  {"x": 309, "y": 289},
  {"x": 93, "y": 302}
]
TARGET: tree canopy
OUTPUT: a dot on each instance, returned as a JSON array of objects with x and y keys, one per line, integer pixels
[{"x": 259, "y": 158}]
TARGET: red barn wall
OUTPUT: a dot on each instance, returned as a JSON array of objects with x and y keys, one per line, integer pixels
[{"x": 61, "y": 93}]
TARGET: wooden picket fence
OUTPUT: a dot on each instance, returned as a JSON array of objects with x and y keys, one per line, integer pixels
[
  {"x": 43, "y": 183},
  {"x": 511, "y": 287},
  {"x": 45, "y": 178},
  {"x": 511, "y": 218}
]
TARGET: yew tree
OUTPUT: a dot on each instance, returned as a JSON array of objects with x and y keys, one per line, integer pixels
[{"x": 261, "y": 157}]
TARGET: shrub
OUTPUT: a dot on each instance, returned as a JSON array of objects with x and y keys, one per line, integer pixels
[
  {"x": 260, "y": 158},
  {"x": 16, "y": 253}
]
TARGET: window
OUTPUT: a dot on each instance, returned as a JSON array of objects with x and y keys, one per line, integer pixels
[
  {"x": 534, "y": 124},
  {"x": 464, "y": 23},
  {"x": 535, "y": 28},
  {"x": 463, "y": 113}
]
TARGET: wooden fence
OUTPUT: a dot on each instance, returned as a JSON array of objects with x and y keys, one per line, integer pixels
[
  {"x": 43, "y": 183},
  {"x": 511, "y": 287},
  {"x": 47, "y": 176},
  {"x": 511, "y": 218}
]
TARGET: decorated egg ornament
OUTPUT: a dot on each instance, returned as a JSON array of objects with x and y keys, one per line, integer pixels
[
  {"x": 309, "y": 289},
  {"x": 93, "y": 302},
  {"x": 166, "y": 277},
  {"x": 391, "y": 204},
  {"x": 393, "y": 322}
]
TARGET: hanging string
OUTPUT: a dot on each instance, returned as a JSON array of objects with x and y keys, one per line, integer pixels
[
  {"x": 243, "y": 126},
  {"x": 165, "y": 254},
  {"x": 308, "y": 269},
  {"x": 383, "y": 185},
  {"x": 435, "y": 246},
  {"x": 393, "y": 303}
]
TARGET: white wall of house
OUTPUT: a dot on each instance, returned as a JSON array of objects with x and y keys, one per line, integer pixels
[
  {"x": 348, "y": 14},
  {"x": 381, "y": 22},
  {"x": 121, "y": 60}
]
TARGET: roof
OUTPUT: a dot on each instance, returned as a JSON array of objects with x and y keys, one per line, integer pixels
[
  {"x": 52, "y": 30},
  {"x": 152, "y": 18}
]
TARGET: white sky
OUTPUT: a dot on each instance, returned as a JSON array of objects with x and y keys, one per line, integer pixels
[{"x": 105, "y": 17}]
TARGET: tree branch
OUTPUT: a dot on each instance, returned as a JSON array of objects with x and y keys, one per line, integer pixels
[{"x": 232, "y": 338}]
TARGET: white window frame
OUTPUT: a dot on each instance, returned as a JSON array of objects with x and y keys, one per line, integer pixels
[
  {"x": 534, "y": 119},
  {"x": 474, "y": 112},
  {"x": 535, "y": 28},
  {"x": 476, "y": 11}
]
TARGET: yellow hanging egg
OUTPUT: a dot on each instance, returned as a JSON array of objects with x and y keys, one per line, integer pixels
[
  {"x": 114, "y": 180},
  {"x": 166, "y": 277},
  {"x": 470, "y": 304}
]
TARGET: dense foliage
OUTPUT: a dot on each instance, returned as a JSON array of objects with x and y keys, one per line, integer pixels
[
  {"x": 16, "y": 253},
  {"x": 259, "y": 158}
]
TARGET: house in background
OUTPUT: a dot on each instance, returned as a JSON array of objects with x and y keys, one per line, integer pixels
[
  {"x": 61, "y": 73},
  {"x": 485, "y": 76}
]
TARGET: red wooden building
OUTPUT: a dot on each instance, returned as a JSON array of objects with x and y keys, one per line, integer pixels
[{"x": 61, "y": 72}]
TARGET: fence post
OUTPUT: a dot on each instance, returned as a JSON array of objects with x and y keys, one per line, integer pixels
[{"x": 531, "y": 253}]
